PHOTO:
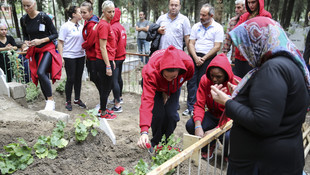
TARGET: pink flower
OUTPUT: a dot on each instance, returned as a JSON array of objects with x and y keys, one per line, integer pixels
[
  {"x": 148, "y": 145},
  {"x": 119, "y": 169}
]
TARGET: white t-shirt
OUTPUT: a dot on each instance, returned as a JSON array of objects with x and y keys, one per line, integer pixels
[
  {"x": 206, "y": 37},
  {"x": 71, "y": 34},
  {"x": 176, "y": 29}
]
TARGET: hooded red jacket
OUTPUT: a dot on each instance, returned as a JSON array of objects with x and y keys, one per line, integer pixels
[
  {"x": 245, "y": 17},
  {"x": 56, "y": 65},
  {"x": 204, "y": 97},
  {"x": 89, "y": 36},
  {"x": 154, "y": 81},
  {"x": 120, "y": 36}
]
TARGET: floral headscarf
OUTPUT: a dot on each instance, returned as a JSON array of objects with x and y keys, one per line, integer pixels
[{"x": 260, "y": 39}]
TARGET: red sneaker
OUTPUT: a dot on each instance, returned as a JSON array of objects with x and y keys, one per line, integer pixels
[{"x": 108, "y": 116}]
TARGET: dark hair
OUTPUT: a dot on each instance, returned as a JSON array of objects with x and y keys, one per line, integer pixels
[
  {"x": 181, "y": 71},
  {"x": 180, "y": 2},
  {"x": 87, "y": 4},
  {"x": 225, "y": 73},
  {"x": 71, "y": 9}
]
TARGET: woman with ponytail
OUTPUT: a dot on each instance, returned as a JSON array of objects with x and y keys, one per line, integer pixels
[{"x": 70, "y": 48}]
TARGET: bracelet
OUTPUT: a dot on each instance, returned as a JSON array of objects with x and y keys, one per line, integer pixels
[
  {"x": 108, "y": 67},
  {"x": 144, "y": 132},
  {"x": 198, "y": 127}
]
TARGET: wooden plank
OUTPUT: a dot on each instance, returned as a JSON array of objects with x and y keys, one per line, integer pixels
[
  {"x": 185, "y": 154},
  {"x": 189, "y": 140}
]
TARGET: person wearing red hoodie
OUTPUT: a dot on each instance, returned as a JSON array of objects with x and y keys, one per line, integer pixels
[
  {"x": 120, "y": 55},
  {"x": 219, "y": 71},
  {"x": 89, "y": 36},
  {"x": 254, "y": 8},
  {"x": 163, "y": 77}
]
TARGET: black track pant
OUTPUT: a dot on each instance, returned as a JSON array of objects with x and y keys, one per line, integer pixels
[
  {"x": 43, "y": 75},
  {"x": 74, "y": 70}
]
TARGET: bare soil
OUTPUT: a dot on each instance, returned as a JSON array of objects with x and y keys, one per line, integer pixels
[{"x": 96, "y": 155}]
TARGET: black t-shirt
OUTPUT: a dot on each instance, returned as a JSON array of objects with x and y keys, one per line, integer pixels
[
  {"x": 37, "y": 28},
  {"x": 9, "y": 40}
]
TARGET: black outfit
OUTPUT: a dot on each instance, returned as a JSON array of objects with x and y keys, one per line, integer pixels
[
  {"x": 209, "y": 122},
  {"x": 37, "y": 28},
  {"x": 154, "y": 36},
  {"x": 307, "y": 49},
  {"x": 91, "y": 68},
  {"x": 105, "y": 82},
  {"x": 74, "y": 70},
  {"x": 165, "y": 117},
  {"x": 193, "y": 83},
  {"x": 117, "y": 80},
  {"x": 4, "y": 59},
  {"x": 241, "y": 68},
  {"x": 268, "y": 113}
]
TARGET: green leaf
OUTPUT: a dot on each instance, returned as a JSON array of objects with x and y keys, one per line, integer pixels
[
  {"x": 52, "y": 154},
  {"x": 77, "y": 122},
  {"x": 94, "y": 132},
  {"x": 88, "y": 123},
  {"x": 62, "y": 143},
  {"x": 141, "y": 168},
  {"x": 22, "y": 141},
  {"x": 42, "y": 152}
]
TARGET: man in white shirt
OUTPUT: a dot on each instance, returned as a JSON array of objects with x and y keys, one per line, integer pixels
[
  {"x": 174, "y": 27},
  {"x": 205, "y": 41}
]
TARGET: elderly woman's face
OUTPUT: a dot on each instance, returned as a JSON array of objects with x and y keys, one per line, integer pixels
[{"x": 3, "y": 30}]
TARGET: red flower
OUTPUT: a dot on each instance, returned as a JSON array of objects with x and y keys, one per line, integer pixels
[
  {"x": 148, "y": 145},
  {"x": 119, "y": 169}
]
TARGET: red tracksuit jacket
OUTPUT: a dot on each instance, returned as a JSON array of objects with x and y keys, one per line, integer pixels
[
  {"x": 204, "y": 97},
  {"x": 120, "y": 36},
  {"x": 89, "y": 36},
  {"x": 154, "y": 81}
]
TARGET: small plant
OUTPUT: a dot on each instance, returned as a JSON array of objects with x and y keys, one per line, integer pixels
[
  {"x": 16, "y": 66},
  {"x": 32, "y": 92},
  {"x": 46, "y": 145},
  {"x": 18, "y": 157},
  {"x": 61, "y": 87},
  {"x": 89, "y": 124},
  {"x": 164, "y": 151}
]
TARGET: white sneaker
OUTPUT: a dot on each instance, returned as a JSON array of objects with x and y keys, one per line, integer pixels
[{"x": 50, "y": 105}]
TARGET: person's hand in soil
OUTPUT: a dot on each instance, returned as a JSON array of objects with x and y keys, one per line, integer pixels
[{"x": 143, "y": 140}]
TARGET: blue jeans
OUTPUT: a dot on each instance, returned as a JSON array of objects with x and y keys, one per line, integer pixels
[{"x": 143, "y": 48}]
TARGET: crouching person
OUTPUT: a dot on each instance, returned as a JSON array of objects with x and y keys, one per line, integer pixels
[
  {"x": 203, "y": 122},
  {"x": 163, "y": 77}
]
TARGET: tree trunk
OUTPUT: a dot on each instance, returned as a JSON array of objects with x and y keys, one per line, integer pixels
[
  {"x": 268, "y": 5},
  {"x": 39, "y": 5},
  {"x": 284, "y": 11},
  {"x": 99, "y": 7},
  {"x": 274, "y": 9},
  {"x": 145, "y": 8},
  {"x": 55, "y": 16},
  {"x": 289, "y": 14},
  {"x": 219, "y": 6},
  {"x": 133, "y": 14},
  {"x": 306, "y": 15},
  {"x": 15, "y": 19}
]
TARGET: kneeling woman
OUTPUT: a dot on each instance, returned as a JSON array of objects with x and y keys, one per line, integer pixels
[{"x": 203, "y": 122}]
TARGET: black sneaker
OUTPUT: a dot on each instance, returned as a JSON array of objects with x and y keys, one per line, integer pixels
[
  {"x": 115, "y": 109},
  {"x": 69, "y": 106},
  {"x": 80, "y": 103}
]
